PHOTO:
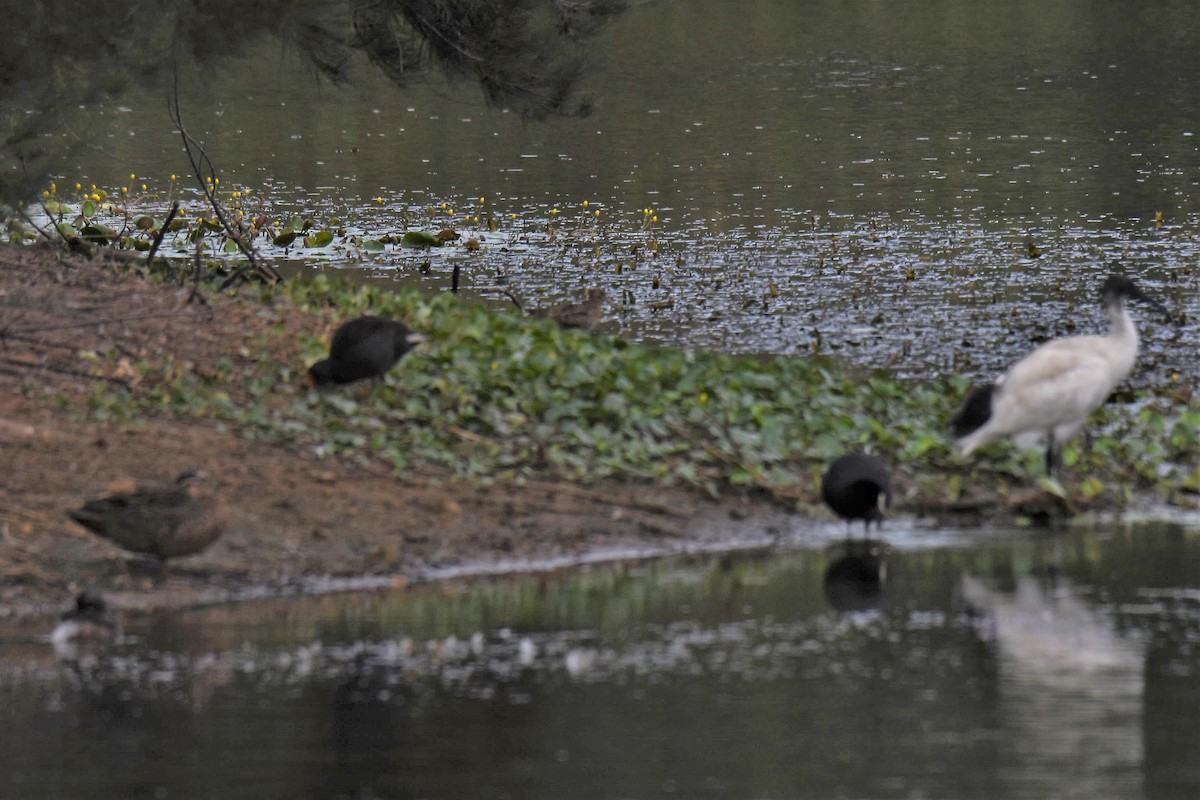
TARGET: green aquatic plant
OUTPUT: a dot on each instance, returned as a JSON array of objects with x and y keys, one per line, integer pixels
[{"x": 496, "y": 395}]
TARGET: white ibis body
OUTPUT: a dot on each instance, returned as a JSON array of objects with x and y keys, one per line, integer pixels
[{"x": 1048, "y": 394}]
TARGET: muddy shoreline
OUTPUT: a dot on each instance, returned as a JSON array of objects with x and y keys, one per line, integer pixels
[{"x": 298, "y": 522}]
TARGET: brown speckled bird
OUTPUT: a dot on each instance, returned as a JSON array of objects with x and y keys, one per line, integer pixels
[
  {"x": 167, "y": 522},
  {"x": 576, "y": 315}
]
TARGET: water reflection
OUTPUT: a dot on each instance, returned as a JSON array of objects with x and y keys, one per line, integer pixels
[
  {"x": 856, "y": 578},
  {"x": 1070, "y": 691},
  {"x": 734, "y": 675}
]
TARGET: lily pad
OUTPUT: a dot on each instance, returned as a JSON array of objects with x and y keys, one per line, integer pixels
[
  {"x": 415, "y": 240},
  {"x": 318, "y": 239}
]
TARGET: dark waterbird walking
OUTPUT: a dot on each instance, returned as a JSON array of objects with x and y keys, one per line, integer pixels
[
  {"x": 857, "y": 486},
  {"x": 1048, "y": 394},
  {"x": 366, "y": 347},
  {"x": 161, "y": 522}
]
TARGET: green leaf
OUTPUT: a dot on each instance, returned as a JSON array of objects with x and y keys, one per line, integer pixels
[
  {"x": 100, "y": 234},
  {"x": 419, "y": 239},
  {"x": 318, "y": 239},
  {"x": 284, "y": 239}
]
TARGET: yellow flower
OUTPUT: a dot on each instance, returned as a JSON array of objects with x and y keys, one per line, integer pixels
[
  {"x": 132, "y": 177},
  {"x": 172, "y": 177},
  {"x": 144, "y": 187},
  {"x": 585, "y": 203},
  {"x": 95, "y": 197}
]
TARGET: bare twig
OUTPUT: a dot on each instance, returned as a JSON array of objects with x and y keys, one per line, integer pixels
[
  {"x": 202, "y": 164},
  {"x": 510, "y": 296},
  {"x": 195, "y": 293},
  {"x": 158, "y": 237}
]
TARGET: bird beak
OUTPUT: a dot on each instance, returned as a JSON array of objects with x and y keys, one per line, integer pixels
[
  {"x": 416, "y": 338},
  {"x": 1157, "y": 306}
]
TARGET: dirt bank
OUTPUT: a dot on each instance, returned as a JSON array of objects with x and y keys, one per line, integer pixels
[{"x": 69, "y": 325}]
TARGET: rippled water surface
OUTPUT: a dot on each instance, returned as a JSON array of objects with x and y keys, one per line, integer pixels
[
  {"x": 866, "y": 178},
  {"x": 988, "y": 663},
  {"x": 931, "y": 187}
]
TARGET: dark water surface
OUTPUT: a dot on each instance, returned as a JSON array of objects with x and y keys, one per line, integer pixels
[
  {"x": 998, "y": 664},
  {"x": 859, "y": 177}
]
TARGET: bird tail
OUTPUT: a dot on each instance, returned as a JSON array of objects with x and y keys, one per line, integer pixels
[{"x": 975, "y": 412}]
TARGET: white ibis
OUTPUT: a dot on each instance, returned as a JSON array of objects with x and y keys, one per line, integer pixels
[
  {"x": 857, "y": 486},
  {"x": 1050, "y": 392}
]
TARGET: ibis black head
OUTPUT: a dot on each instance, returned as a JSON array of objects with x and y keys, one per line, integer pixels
[{"x": 1119, "y": 287}]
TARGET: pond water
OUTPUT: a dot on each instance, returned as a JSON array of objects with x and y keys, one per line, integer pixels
[
  {"x": 863, "y": 177},
  {"x": 992, "y": 664}
]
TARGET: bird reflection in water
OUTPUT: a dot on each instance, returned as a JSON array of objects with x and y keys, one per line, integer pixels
[
  {"x": 856, "y": 578},
  {"x": 1070, "y": 689},
  {"x": 85, "y": 632}
]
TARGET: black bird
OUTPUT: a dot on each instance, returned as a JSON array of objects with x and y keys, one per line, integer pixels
[
  {"x": 857, "y": 486},
  {"x": 366, "y": 347},
  {"x": 88, "y": 622},
  {"x": 1050, "y": 393}
]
